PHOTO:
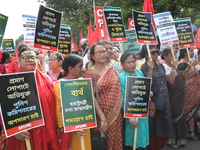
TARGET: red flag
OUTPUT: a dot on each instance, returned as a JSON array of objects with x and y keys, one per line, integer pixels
[
  {"x": 90, "y": 29},
  {"x": 131, "y": 23},
  {"x": 74, "y": 46},
  {"x": 81, "y": 34},
  {"x": 197, "y": 39},
  {"x": 0, "y": 54},
  {"x": 93, "y": 39},
  {"x": 148, "y": 7},
  {"x": 100, "y": 23},
  {"x": 100, "y": 33}
]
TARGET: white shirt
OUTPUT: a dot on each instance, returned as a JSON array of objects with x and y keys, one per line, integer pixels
[{"x": 168, "y": 69}]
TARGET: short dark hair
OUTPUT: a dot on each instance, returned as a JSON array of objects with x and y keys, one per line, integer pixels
[
  {"x": 20, "y": 46},
  {"x": 104, "y": 42},
  {"x": 125, "y": 55},
  {"x": 59, "y": 55},
  {"x": 182, "y": 53},
  {"x": 165, "y": 52},
  {"x": 70, "y": 60},
  {"x": 144, "y": 50},
  {"x": 5, "y": 55}
]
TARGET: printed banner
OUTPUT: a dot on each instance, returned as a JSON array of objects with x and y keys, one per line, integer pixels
[
  {"x": 20, "y": 104},
  {"x": 131, "y": 45},
  {"x": 29, "y": 24},
  {"x": 3, "y": 22},
  {"x": 165, "y": 28},
  {"x": 115, "y": 24},
  {"x": 47, "y": 29},
  {"x": 144, "y": 28},
  {"x": 137, "y": 97},
  {"x": 100, "y": 24},
  {"x": 77, "y": 105},
  {"x": 184, "y": 31},
  {"x": 65, "y": 39},
  {"x": 8, "y": 46}
]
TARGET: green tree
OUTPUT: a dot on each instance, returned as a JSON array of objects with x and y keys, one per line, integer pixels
[
  {"x": 19, "y": 40},
  {"x": 76, "y": 13}
]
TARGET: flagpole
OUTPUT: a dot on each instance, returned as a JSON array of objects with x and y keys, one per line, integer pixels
[
  {"x": 135, "y": 136},
  {"x": 148, "y": 51},
  {"x": 188, "y": 53},
  {"x": 94, "y": 14},
  {"x": 172, "y": 51}
]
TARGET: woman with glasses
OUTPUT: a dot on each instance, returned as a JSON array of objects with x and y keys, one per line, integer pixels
[
  {"x": 55, "y": 63},
  {"x": 160, "y": 125},
  {"x": 192, "y": 96},
  {"x": 43, "y": 137},
  {"x": 109, "y": 100}
]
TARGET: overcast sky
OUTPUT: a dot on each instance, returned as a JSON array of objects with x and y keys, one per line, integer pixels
[{"x": 14, "y": 9}]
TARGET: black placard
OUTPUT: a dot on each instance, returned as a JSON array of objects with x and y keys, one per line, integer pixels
[{"x": 20, "y": 104}]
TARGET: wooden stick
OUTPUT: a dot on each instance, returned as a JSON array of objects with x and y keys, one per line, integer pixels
[
  {"x": 172, "y": 51},
  {"x": 135, "y": 137},
  {"x": 120, "y": 47},
  {"x": 28, "y": 145},
  {"x": 148, "y": 51},
  {"x": 44, "y": 60},
  {"x": 82, "y": 143},
  {"x": 188, "y": 53}
]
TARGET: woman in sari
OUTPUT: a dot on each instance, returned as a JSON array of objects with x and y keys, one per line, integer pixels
[
  {"x": 44, "y": 137},
  {"x": 128, "y": 62},
  {"x": 73, "y": 69},
  {"x": 108, "y": 104},
  {"x": 160, "y": 125},
  {"x": 192, "y": 96},
  {"x": 176, "y": 86}
]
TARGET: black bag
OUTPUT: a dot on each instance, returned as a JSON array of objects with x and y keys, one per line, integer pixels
[
  {"x": 98, "y": 141},
  {"x": 159, "y": 101}
]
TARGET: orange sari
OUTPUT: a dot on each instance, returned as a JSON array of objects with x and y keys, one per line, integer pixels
[{"x": 110, "y": 101}]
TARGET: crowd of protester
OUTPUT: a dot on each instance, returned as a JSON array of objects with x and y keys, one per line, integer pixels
[{"x": 176, "y": 81}]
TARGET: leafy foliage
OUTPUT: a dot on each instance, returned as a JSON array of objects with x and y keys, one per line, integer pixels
[
  {"x": 19, "y": 40},
  {"x": 76, "y": 13}
]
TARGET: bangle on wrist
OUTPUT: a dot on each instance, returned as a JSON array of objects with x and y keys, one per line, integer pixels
[{"x": 103, "y": 120}]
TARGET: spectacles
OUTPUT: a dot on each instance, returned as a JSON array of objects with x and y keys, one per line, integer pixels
[
  {"x": 29, "y": 58},
  {"x": 155, "y": 52},
  {"x": 100, "y": 52},
  {"x": 52, "y": 60}
]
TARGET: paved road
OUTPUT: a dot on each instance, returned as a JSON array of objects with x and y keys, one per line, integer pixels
[{"x": 191, "y": 145}]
